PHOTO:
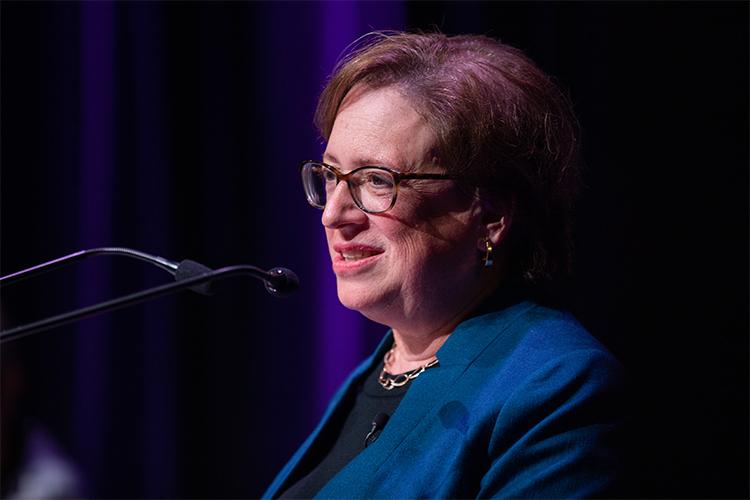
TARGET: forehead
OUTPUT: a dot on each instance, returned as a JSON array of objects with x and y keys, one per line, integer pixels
[{"x": 379, "y": 127}]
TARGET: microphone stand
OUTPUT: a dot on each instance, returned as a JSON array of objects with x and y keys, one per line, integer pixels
[
  {"x": 161, "y": 262},
  {"x": 135, "y": 298}
]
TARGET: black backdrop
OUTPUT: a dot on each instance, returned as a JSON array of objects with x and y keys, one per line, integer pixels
[{"x": 176, "y": 128}]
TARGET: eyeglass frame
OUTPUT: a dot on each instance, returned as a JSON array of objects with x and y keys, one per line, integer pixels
[{"x": 397, "y": 178}]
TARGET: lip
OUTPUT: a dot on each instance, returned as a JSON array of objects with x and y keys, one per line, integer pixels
[{"x": 344, "y": 267}]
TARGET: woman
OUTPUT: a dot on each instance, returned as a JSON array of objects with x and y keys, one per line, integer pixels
[{"x": 446, "y": 187}]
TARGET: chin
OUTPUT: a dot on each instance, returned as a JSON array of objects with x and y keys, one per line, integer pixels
[
  {"x": 352, "y": 298},
  {"x": 365, "y": 299}
]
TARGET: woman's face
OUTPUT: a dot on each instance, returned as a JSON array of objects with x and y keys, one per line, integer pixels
[{"x": 416, "y": 265}]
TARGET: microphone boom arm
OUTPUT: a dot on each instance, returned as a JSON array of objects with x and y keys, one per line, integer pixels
[
  {"x": 166, "y": 264},
  {"x": 278, "y": 282}
]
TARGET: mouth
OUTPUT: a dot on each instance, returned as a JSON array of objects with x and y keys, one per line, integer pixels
[
  {"x": 353, "y": 255},
  {"x": 348, "y": 259}
]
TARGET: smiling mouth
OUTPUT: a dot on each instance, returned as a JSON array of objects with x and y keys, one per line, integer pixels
[
  {"x": 354, "y": 255},
  {"x": 354, "y": 260}
]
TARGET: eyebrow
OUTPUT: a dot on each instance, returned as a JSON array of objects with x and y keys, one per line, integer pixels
[
  {"x": 362, "y": 161},
  {"x": 329, "y": 158}
]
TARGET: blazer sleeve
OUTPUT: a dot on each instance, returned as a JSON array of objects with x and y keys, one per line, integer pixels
[{"x": 559, "y": 433}]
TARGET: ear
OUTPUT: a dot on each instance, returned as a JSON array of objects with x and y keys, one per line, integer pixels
[{"x": 497, "y": 219}]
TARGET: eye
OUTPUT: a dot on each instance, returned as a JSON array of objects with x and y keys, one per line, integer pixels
[
  {"x": 328, "y": 176},
  {"x": 376, "y": 179}
]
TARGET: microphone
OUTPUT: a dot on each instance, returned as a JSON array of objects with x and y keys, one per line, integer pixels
[
  {"x": 278, "y": 281},
  {"x": 378, "y": 424},
  {"x": 281, "y": 282}
]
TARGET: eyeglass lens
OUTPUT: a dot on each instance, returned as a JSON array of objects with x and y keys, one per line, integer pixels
[{"x": 373, "y": 189}]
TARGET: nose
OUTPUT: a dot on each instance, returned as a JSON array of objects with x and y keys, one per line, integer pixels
[{"x": 340, "y": 208}]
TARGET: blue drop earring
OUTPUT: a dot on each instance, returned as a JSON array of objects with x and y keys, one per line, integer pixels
[{"x": 488, "y": 262}]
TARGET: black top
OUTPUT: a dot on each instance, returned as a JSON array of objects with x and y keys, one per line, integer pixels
[{"x": 372, "y": 399}]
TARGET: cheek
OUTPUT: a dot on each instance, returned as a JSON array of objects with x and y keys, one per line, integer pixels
[
  {"x": 430, "y": 231},
  {"x": 419, "y": 250},
  {"x": 406, "y": 240},
  {"x": 413, "y": 249},
  {"x": 446, "y": 216},
  {"x": 443, "y": 257}
]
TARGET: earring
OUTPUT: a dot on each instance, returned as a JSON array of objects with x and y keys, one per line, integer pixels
[{"x": 488, "y": 262}]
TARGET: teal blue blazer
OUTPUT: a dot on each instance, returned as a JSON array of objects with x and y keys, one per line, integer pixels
[{"x": 524, "y": 403}]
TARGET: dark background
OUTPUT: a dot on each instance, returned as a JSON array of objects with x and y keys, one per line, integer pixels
[{"x": 176, "y": 128}]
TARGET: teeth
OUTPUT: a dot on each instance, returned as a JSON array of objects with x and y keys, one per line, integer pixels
[{"x": 356, "y": 255}]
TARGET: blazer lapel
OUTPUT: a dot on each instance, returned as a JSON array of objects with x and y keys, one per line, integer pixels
[{"x": 290, "y": 471}]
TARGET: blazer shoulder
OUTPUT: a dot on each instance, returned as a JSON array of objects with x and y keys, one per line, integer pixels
[
  {"x": 519, "y": 345},
  {"x": 551, "y": 332}
]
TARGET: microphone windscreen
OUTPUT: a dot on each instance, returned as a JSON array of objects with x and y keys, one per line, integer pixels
[
  {"x": 285, "y": 282},
  {"x": 189, "y": 269}
]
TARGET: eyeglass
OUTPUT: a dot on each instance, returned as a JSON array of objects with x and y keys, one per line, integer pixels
[{"x": 373, "y": 189}]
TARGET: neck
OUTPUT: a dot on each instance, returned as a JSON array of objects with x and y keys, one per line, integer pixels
[
  {"x": 412, "y": 353},
  {"x": 417, "y": 346}
]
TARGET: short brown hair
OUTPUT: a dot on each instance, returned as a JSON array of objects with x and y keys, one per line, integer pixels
[{"x": 501, "y": 124}]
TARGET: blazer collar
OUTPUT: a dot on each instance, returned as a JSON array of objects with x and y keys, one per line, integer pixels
[{"x": 472, "y": 336}]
